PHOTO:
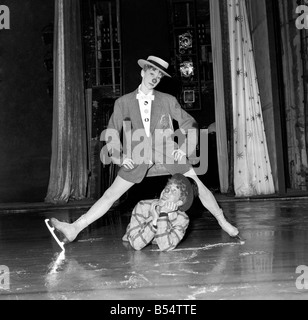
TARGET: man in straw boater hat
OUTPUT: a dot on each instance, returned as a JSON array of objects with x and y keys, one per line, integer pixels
[{"x": 145, "y": 113}]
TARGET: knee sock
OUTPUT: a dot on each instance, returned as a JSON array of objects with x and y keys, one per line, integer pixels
[
  {"x": 81, "y": 224},
  {"x": 70, "y": 231}
]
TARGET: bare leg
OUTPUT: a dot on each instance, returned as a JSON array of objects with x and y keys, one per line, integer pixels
[
  {"x": 208, "y": 200},
  {"x": 99, "y": 209}
]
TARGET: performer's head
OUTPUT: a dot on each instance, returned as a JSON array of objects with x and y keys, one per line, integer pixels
[
  {"x": 153, "y": 70},
  {"x": 181, "y": 191}
]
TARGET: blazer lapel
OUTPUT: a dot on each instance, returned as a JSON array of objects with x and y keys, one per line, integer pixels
[
  {"x": 156, "y": 111},
  {"x": 136, "y": 111}
]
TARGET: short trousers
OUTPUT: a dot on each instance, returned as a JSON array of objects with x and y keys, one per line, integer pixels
[{"x": 137, "y": 174}]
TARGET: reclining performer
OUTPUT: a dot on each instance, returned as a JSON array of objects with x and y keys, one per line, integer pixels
[
  {"x": 150, "y": 114},
  {"x": 164, "y": 221}
]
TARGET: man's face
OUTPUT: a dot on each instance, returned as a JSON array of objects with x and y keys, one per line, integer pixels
[
  {"x": 171, "y": 193},
  {"x": 151, "y": 78}
]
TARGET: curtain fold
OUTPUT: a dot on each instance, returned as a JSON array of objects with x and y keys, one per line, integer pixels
[
  {"x": 69, "y": 163},
  {"x": 220, "y": 114},
  {"x": 294, "y": 95},
  {"x": 252, "y": 168}
]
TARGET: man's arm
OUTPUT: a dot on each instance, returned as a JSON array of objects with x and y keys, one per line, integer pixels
[
  {"x": 187, "y": 124},
  {"x": 171, "y": 232}
]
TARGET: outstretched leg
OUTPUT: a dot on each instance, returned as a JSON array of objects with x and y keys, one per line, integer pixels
[
  {"x": 99, "y": 209},
  {"x": 209, "y": 202}
]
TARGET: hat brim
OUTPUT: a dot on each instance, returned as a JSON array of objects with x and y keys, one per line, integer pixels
[{"x": 142, "y": 63}]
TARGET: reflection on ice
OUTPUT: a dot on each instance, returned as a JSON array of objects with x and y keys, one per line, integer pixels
[{"x": 57, "y": 263}]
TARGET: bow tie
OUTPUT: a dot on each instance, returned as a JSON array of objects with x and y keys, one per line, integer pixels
[{"x": 141, "y": 96}]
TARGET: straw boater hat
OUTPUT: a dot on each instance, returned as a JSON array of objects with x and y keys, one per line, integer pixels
[{"x": 157, "y": 63}]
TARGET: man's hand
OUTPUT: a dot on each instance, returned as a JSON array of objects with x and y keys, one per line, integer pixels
[
  {"x": 178, "y": 154},
  {"x": 169, "y": 207},
  {"x": 128, "y": 164}
]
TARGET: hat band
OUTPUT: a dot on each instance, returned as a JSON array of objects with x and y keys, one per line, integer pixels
[{"x": 158, "y": 65}]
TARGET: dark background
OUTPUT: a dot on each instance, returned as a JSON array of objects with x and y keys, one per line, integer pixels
[
  {"x": 26, "y": 100},
  {"x": 26, "y": 106}
]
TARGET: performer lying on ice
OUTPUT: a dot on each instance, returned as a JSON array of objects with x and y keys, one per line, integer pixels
[{"x": 163, "y": 221}]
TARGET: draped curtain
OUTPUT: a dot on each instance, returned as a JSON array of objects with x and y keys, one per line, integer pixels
[
  {"x": 220, "y": 114},
  {"x": 68, "y": 171},
  {"x": 252, "y": 169},
  {"x": 294, "y": 94}
]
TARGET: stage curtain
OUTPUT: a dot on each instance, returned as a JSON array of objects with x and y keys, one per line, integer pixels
[
  {"x": 68, "y": 172},
  {"x": 220, "y": 114},
  {"x": 294, "y": 95},
  {"x": 252, "y": 168}
]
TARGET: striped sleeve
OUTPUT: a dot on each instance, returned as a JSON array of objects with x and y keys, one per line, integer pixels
[
  {"x": 140, "y": 231},
  {"x": 171, "y": 232}
]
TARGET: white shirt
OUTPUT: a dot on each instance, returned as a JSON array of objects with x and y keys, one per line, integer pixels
[{"x": 145, "y": 106}]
